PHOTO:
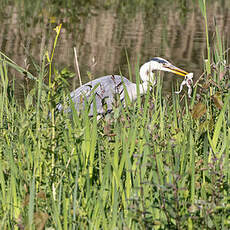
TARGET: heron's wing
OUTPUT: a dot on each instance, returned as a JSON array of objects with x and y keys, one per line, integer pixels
[{"x": 105, "y": 90}]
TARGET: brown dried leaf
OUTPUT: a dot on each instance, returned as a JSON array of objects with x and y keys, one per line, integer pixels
[
  {"x": 41, "y": 195},
  {"x": 40, "y": 219},
  {"x": 206, "y": 85},
  {"x": 218, "y": 100},
  {"x": 222, "y": 74},
  {"x": 198, "y": 110},
  {"x": 26, "y": 200},
  {"x": 26, "y": 188}
]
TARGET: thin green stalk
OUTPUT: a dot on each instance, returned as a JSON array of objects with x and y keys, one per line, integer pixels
[
  {"x": 50, "y": 94},
  {"x": 32, "y": 200},
  {"x": 202, "y": 4},
  {"x": 192, "y": 168}
]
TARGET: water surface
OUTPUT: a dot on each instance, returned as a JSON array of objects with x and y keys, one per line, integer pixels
[{"x": 104, "y": 32}]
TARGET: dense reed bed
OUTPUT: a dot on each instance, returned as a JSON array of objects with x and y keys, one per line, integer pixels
[{"x": 160, "y": 163}]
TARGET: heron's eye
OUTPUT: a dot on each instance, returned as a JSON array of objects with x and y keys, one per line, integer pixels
[{"x": 166, "y": 65}]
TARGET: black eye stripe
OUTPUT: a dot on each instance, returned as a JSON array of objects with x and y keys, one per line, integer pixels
[{"x": 159, "y": 60}]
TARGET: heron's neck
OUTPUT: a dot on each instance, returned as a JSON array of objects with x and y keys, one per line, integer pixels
[
  {"x": 143, "y": 88},
  {"x": 146, "y": 73},
  {"x": 133, "y": 90}
]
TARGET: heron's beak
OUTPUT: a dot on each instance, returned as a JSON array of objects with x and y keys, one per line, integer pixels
[{"x": 177, "y": 70}]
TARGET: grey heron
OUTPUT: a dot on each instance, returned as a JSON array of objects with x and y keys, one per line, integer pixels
[{"x": 105, "y": 88}]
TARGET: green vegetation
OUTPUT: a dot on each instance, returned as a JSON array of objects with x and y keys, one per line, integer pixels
[{"x": 160, "y": 163}]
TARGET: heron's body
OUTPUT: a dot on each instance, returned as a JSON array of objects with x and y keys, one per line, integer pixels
[{"x": 107, "y": 88}]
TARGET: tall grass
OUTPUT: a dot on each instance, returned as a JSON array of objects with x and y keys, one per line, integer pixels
[{"x": 159, "y": 163}]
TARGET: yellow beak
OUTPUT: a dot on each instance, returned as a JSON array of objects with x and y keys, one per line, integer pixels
[{"x": 177, "y": 70}]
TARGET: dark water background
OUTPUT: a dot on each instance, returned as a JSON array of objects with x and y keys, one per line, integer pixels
[{"x": 103, "y": 31}]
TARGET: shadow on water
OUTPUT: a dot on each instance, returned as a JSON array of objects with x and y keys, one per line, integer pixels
[{"x": 103, "y": 31}]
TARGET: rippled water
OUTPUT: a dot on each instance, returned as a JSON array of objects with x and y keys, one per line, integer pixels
[{"x": 103, "y": 34}]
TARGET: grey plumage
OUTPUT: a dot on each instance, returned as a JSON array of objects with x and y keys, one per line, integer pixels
[{"x": 105, "y": 90}]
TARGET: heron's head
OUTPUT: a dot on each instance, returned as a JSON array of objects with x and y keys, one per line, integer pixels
[{"x": 157, "y": 63}]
